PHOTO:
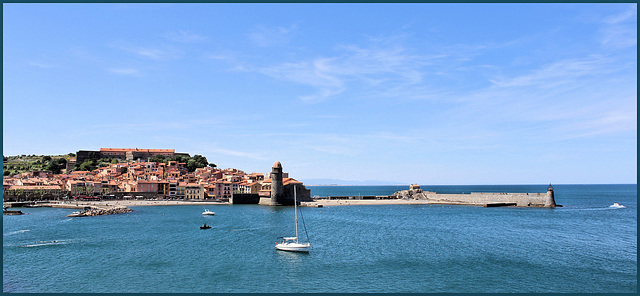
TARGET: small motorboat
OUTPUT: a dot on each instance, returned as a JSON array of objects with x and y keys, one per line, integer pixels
[
  {"x": 75, "y": 214},
  {"x": 205, "y": 226},
  {"x": 207, "y": 212},
  {"x": 617, "y": 205}
]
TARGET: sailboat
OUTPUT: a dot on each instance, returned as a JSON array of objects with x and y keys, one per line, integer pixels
[{"x": 293, "y": 244}]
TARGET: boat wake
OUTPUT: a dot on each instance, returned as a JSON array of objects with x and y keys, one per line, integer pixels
[
  {"x": 46, "y": 243},
  {"x": 16, "y": 232},
  {"x": 250, "y": 229},
  {"x": 590, "y": 209}
]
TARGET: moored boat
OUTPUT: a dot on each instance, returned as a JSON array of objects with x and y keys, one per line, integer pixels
[
  {"x": 75, "y": 214},
  {"x": 292, "y": 244}
]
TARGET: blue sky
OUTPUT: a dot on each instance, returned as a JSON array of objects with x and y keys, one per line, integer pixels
[{"x": 420, "y": 93}]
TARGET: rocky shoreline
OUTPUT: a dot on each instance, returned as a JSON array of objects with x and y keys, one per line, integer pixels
[{"x": 101, "y": 211}]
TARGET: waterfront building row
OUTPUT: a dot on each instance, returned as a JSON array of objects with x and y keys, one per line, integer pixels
[{"x": 158, "y": 180}]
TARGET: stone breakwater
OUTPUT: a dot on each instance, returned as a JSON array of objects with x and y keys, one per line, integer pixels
[
  {"x": 102, "y": 211},
  {"x": 487, "y": 199}
]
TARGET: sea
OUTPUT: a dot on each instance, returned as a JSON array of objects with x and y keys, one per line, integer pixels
[{"x": 585, "y": 246}]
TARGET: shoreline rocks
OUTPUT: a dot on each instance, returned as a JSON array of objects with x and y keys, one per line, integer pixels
[
  {"x": 101, "y": 211},
  {"x": 7, "y": 212}
]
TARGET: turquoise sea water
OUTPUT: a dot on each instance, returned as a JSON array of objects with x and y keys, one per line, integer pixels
[{"x": 585, "y": 246}]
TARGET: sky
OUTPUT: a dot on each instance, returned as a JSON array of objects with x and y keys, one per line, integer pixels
[{"x": 440, "y": 94}]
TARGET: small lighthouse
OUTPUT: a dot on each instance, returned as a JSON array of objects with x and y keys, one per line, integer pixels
[{"x": 550, "y": 202}]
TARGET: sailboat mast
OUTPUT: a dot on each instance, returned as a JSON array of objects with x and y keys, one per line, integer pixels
[{"x": 295, "y": 210}]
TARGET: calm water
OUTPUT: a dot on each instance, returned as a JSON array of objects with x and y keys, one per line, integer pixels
[{"x": 586, "y": 246}]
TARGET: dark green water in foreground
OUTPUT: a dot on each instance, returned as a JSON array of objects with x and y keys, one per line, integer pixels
[{"x": 585, "y": 246}]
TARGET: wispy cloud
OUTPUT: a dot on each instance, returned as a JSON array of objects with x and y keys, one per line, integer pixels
[
  {"x": 140, "y": 127},
  {"x": 124, "y": 71},
  {"x": 184, "y": 36},
  {"x": 41, "y": 65},
  {"x": 558, "y": 73},
  {"x": 312, "y": 73},
  {"x": 629, "y": 14},
  {"x": 236, "y": 153},
  {"x": 620, "y": 30},
  {"x": 353, "y": 67},
  {"x": 272, "y": 36},
  {"x": 565, "y": 99},
  {"x": 384, "y": 67},
  {"x": 610, "y": 122},
  {"x": 332, "y": 149},
  {"x": 152, "y": 52}
]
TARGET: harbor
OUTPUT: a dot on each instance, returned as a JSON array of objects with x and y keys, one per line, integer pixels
[{"x": 350, "y": 244}]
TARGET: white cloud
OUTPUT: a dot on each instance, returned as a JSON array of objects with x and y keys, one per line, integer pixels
[
  {"x": 615, "y": 120},
  {"x": 184, "y": 36},
  {"x": 124, "y": 71},
  {"x": 314, "y": 73},
  {"x": 354, "y": 67},
  {"x": 558, "y": 73},
  {"x": 272, "y": 36},
  {"x": 235, "y": 153},
  {"x": 150, "y": 52},
  {"x": 630, "y": 14},
  {"x": 41, "y": 65},
  {"x": 620, "y": 30}
]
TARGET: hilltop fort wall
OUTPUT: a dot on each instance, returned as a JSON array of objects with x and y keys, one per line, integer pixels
[{"x": 124, "y": 153}]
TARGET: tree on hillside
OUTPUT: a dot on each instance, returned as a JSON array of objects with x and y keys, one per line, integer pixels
[
  {"x": 191, "y": 165},
  {"x": 213, "y": 165},
  {"x": 56, "y": 165},
  {"x": 88, "y": 165},
  {"x": 46, "y": 158},
  {"x": 159, "y": 159},
  {"x": 180, "y": 158}
]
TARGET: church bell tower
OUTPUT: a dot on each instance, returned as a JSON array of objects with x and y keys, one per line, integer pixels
[{"x": 277, "y": 187}]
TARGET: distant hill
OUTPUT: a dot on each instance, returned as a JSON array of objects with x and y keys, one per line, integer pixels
[{"x": 346, "y": 182}]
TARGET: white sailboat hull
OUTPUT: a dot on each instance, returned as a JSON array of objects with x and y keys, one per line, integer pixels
[
  {"x": 294, "y": 247},
  {"x": 292, "y": 244}
]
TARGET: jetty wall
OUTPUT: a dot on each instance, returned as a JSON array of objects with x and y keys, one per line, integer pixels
[
  {"x": 245, "y": 198},
  {"x": 484, "y": 198}
]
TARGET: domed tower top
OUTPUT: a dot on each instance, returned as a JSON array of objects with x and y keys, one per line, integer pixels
[
  {"x": 550, "y": 188},
  {"x": 277, "y": 165}
]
